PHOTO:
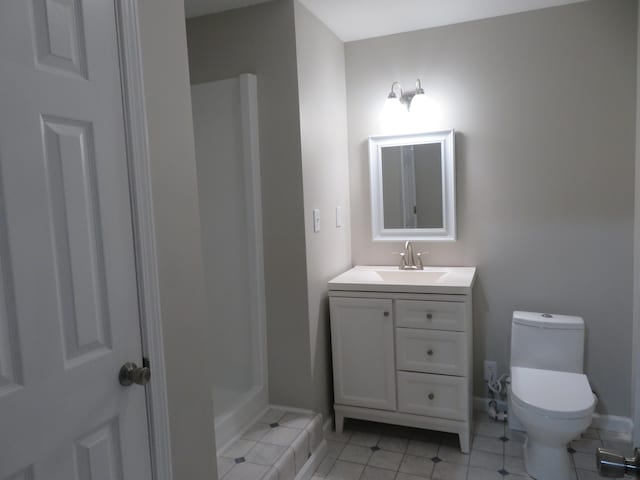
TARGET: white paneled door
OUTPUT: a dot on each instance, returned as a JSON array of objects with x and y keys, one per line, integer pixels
[{"x": 68, "y": 297}]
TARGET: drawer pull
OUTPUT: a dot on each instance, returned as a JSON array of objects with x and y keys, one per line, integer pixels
[
  {"x": 430, "y": 352},
  {"x": 386, "y": 314},
  {"x": 431, "y": 396},
  {"x": 429, "y": 316}
]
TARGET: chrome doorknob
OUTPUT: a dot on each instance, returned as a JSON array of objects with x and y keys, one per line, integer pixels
[
  {"x": 611, "y": 464},
  {"x": 130, "y": 373}
]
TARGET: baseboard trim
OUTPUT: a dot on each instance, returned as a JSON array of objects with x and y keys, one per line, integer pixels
[
  {"x": 327, "y": 427},
  {"x": 612, "y": 423}
]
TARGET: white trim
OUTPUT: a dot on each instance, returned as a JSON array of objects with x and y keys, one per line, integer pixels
[
  {"x": 253, "y": 195},
  {"x": 144, "y": 234},
  {"x": 446, "y": 138},
  {"x": 612, "y": 423}
]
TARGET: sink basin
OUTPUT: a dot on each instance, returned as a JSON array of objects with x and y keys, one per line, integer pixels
[
  {"x": 418, "y": 277},
  {"x": 391, "y": 279}
]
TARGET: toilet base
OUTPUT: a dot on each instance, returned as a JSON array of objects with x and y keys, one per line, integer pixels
[{"x": 544, "y": 462}]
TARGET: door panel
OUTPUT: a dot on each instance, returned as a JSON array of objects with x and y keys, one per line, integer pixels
[{"x": 68, "y": 293}]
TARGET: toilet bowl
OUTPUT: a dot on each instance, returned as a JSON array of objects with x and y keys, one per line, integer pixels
[
  {"x": 549, "y": 398},
  {"x": 554, "y": 408}
]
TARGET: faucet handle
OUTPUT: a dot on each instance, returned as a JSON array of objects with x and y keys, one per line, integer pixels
[
  {"x": 419, "y": 262},
  {"x": 403, "y": 259}
]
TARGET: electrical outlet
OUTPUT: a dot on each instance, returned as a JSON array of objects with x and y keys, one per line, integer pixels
[{"x": 490, "y": 370}]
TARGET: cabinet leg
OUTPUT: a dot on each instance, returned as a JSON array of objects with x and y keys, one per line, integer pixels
[
  {"x": 464, "y": 442},
  {"x": 339, "y": 422}
]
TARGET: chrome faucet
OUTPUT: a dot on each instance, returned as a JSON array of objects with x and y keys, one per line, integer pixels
[{"x": 409, "y": 260}]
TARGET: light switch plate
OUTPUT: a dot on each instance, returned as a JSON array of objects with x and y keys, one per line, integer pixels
[{"x": 316, "y": 220}]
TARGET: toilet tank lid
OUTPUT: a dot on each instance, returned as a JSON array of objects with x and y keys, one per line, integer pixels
[{"x": 547, "y": 320}]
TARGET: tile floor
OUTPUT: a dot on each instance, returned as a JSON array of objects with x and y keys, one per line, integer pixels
[
  {"x": 276, "y": 447},
  {"x": 372, "y": 451}
]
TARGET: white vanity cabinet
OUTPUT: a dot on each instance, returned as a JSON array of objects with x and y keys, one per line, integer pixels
[{"x": 403, "y": 355}]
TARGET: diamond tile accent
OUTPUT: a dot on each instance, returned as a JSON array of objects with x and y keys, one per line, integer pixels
[
  {"x": 436, "y": 459},
  {"x": 375, "y": 448},
  {"x": 274, "y": 424},
  {"x": 240, "y": 460},
  {"x": 503, "y": 472},
  {"x": 504, "y": 439},
  {"x": 571, "y": 450}
]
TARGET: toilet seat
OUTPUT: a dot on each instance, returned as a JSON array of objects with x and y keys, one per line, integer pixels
[{"x": 552, "y": 394}]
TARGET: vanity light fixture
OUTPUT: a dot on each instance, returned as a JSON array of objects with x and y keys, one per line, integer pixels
[
  {"x": 393, "y": 113},
  {"x": 410, "y": 109}
]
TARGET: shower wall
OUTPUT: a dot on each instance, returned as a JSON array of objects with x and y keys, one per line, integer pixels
[{"x": 225, "y": 131}]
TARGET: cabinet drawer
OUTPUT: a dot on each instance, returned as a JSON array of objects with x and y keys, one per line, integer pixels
[
  {"x": 431, "y": 315},
  {"x": 431, "y": 351},
  {"x": 433, "y": 395}
]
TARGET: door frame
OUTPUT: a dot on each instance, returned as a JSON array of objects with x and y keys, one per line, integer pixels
[{"x": 135, "y": 119}]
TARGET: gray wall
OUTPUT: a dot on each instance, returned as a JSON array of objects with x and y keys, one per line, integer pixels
[
  {"x": 177, "y": 228},
  {"x": 544, "y": 106},
  {"x": 261, "y": 40},
  {"x": 325, "y": 171}
]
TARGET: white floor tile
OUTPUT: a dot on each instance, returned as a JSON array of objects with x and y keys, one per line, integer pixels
[
  {"x": 494, "y": 429},
  {"x": 295, "y": 420},
  {"x": 386, "y": 459},
  {"x": 264, "y": 454},
  {"x": 246, "y": 471},
  {"x": 477, "y": 473},
  {"x": 238, "y": 449},
  {"x": 586, "y": 445},
  {"x": 282, "y": 436},
  {"x": 585, "y": 461},
  {"x": 355, "y": 454},
  {"x": 449, "y": 471},
  {"x": 407, "y": 476},
  {"x": 256, "y": 432},
  {"x": 224, "y": 465},
  {"x": 372, "y": 473},
  {"x": 453, "y": 455},
  {"x": 514, "y": 465},
  {"x": 416, "y": 466},
  {"x": 488, "y": 444},
  {"x": 422, "y": 449},
  {"x": 393, "y": 444},
  {"x": 490, "y": 461},
  {"x": 334, "y": 449},
  {"x": 366, "y": 439},
  {"x": 271, "y": 416},
  {"x": 345, "y": 471}
]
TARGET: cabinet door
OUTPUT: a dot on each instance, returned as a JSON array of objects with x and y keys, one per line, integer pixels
[{"x": 363, "y": 358}]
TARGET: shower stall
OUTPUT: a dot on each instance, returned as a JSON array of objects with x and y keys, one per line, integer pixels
[{"x": 225, "y": 115}]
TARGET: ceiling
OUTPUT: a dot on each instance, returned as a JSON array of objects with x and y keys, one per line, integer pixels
[
  {"x": 358, "y": 19},
  {"x": 196, "y": 8}
]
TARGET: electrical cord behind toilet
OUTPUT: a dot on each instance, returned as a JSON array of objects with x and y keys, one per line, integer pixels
[{"x": 497, "y": 386}]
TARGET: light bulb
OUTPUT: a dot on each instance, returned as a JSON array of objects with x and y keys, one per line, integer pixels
[
  {"x": 394, "y": 115},
  {"x": 425, "y": 112}
]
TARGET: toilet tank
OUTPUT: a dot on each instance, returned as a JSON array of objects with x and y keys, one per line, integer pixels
[{"x": 546, "y": 341}]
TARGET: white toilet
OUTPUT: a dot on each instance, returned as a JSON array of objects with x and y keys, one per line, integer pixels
[{"x": 550, "y": 397}]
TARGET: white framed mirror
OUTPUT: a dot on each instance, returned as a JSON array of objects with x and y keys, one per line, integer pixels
[{"x": 413, "y": 186}]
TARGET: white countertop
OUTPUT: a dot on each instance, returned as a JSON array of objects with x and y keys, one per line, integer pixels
[{"x": 365, "y": 278}]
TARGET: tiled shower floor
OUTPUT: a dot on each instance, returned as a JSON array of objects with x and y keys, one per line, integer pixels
[
  {"x": 276, "y": 447},
  {"x": 372, "y": 451}
]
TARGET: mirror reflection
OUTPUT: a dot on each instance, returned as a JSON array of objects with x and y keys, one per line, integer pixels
[{"x": 412, "y": 186}]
